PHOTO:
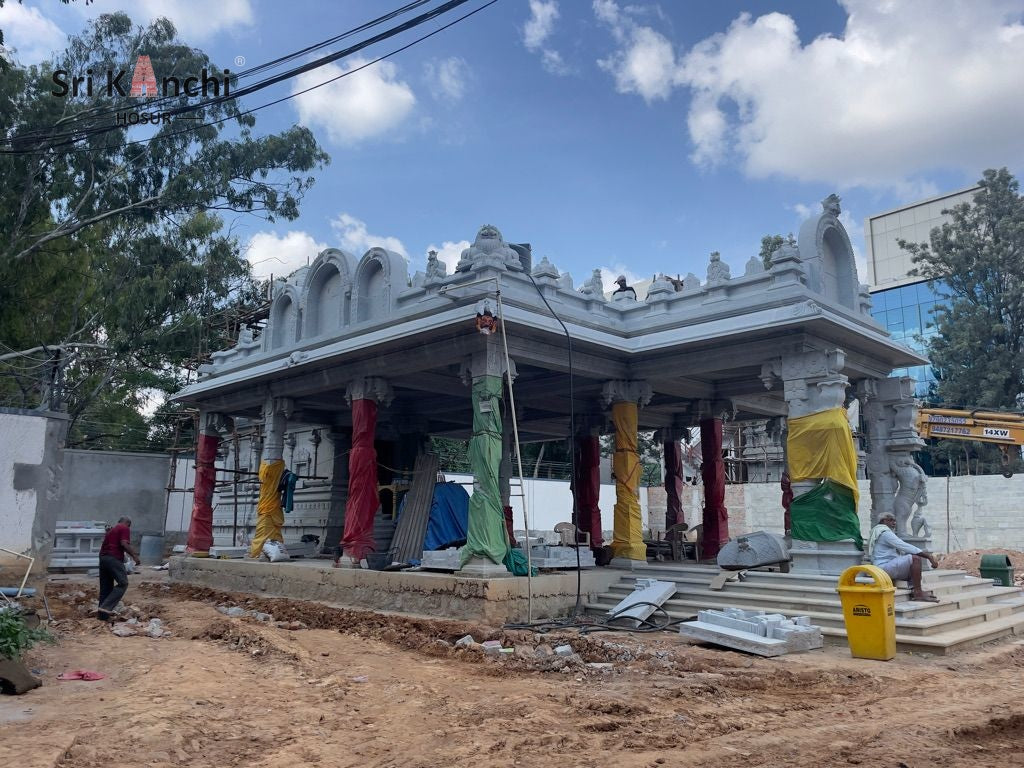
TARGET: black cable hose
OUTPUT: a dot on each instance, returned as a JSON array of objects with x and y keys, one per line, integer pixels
[{"x": 572, "y": 451}]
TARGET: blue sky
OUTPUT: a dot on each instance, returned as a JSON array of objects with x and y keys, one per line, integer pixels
[{"x": 637, "y": 137}]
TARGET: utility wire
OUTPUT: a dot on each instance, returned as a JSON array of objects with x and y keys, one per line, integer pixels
[
  {"x": 156, "y": 103},
  {"x": 67, "y": 138}
]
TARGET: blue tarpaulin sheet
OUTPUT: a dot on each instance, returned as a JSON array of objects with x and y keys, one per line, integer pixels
[{"x": 449, "y": 516}]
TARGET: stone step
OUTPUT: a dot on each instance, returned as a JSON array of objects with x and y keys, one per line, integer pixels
[
  {"x": 797, "y": 596},
  {"x": 943, "y": 643},
  {"x": 965, "y": 617},
  {"x": 918, "y": 618}
]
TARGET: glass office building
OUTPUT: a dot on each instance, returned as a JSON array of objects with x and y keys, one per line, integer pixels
[
  {"x": 901, "y": 302},
  {"x": 906, "y": 312}
]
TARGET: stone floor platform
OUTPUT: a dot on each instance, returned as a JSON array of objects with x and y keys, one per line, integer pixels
[
  {"x": 439, "y": 595},
  {"x": 971, "y": 610}
]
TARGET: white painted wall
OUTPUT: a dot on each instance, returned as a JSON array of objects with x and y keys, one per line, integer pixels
[
  {"x": 549, "y": 502},
  {"x": 22, "y": 441},
  {"x": 984, "y": 511}
]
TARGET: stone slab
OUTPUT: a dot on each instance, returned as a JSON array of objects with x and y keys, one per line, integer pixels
[
  {"x": 757, "y": 632},
  {"x": 646, "y": 591},
  {"x": 441, "y": 560},
  {"x": 561, "y": 557},
  {"x": 228, "y": 553}
]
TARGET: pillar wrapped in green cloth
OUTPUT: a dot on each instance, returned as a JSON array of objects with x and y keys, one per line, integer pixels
[
  {"x": 827, "y": 512},
  {"x": 486, "y": 536}
]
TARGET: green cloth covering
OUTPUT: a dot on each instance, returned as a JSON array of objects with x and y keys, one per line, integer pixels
[
  {"x": 516, "y": 563},
  {"x": 486, "y": 536},
  {"x": 826, "y": 513}
]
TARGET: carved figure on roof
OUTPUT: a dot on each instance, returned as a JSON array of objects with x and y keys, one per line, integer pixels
[
  {"x": 245, "y": 335},
  {"x": 691, "y": 282},
  {"x": 718, "y": 270},
  {"x": 594, "y": 287},
  {"x": 754, "y": 267},
  {"x": 436, "y": 269},
  {"x": 831, "y": 204},
  {"x": 489, "y": 249}
]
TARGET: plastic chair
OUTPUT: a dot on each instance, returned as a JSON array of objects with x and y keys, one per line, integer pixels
[{"x": 570, "y": 536}]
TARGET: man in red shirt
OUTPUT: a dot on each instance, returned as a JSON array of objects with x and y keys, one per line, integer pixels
[{"x": 113, "y": 574}]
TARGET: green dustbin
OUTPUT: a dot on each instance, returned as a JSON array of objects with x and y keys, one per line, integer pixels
[{"x": 997, "y": 567}]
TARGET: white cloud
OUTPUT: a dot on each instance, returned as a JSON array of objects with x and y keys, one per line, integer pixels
[
  {"x": 450, "y": 253},
  {"x": 538, "y": 28},
  {"x": 195, "y": 20},
  {"x": 357, "y": 107},
  {"x": 29, "y": 33},
  {"x": 645, "y": 63},
  {"x": 271, "y": 254},
  {"x": 904, "y": 90},
  {"x": 447, "y": 78},
  {"x": 541, "y": 24},
  {"x": 356, "y": 240}
]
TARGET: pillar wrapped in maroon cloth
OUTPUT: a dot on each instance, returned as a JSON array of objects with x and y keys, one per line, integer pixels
[
  {"x": 587, "y": 488},
  {"x": 363, "y": 501},
  {"x": 673, "y": 483},
  {"x": 716, "y": 516},
  {"x": 200, "y": 529}
]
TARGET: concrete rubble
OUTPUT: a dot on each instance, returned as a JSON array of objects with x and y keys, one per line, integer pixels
[{"x": 764, "y": 634}]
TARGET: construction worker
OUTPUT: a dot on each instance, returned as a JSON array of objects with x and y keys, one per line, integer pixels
[{"x": 113, "y": 574}]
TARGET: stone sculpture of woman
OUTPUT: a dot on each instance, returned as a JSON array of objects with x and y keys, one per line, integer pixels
[{"x": 913, "y": 487}]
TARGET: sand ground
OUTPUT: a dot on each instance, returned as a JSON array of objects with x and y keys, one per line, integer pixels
[{"x": 319, "y": 685}]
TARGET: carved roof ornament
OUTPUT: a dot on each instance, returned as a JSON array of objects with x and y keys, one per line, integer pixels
[
  {"x": 830, "y": 205},
  {"x": 661, "y": 286},
  {"x": 754, "y": 267},
  {"x": 437, "y": 271},
  {"x": 691, "y": 282},
  {"x": 718, "y": 270},
  {"x": 593, "y": 288},
  {"x": 546, "y": 269},
  {"x": 489, "y": 249},
  {"x": 565, "y": 282}
]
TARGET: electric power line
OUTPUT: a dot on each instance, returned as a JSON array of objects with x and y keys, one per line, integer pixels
[{"x": 63, "y": 139}]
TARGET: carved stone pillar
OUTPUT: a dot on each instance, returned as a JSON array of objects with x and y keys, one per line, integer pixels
[
  {"x": 269, "y": 515},
  {"x": 897, "y": 482},
  {"x": 200, "y": 529},
  {"x": 826, "y": 533},
  {"x": 363, "y": 394},
  {"x": 487, "y": 542},
  {"x": 625, "y": 397},
  {"x": 341, "y": 440},
  {"x": 674, "y": 482},
  {"x": 587, "y": 484},
  {"x": 715, "y": 516}
]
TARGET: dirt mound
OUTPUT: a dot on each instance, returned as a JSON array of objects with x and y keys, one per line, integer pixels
[{"x": 970, "y": 560}]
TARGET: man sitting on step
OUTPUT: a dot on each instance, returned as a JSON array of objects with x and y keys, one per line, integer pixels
[{"x": 902, "y": 561}]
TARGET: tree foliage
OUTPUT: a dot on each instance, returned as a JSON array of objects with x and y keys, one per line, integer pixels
[
  {"x": 978, "y": 259},
  {"x": 116, "y": 266},
  {"x": 770, "y": 244}
]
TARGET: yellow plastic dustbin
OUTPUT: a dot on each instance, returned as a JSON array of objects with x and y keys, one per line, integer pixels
[{"x": 869, "y": 611}]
